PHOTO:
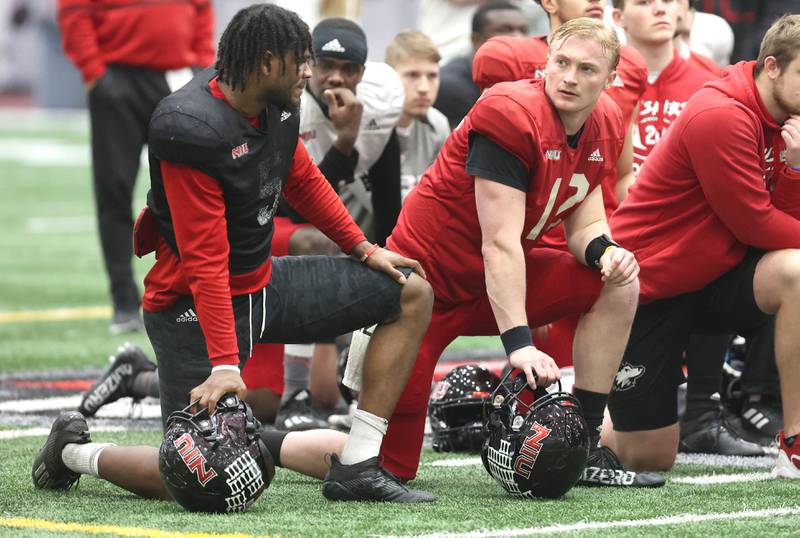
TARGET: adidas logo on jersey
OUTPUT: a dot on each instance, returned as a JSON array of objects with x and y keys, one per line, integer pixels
[
  {"x": 333, "y": 46},
  {"x": 187, "y": 317},
  {"x": 372, "y": 125},
  {"x": 552, "y": 154},
  {"x": 285, "y": 116},
  {"x": 617, "y": 83},
  {"x": 595, "y": 156}
]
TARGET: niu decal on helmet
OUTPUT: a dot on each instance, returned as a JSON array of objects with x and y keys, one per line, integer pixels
[
  {"x": 536, "y": 450},
  {"x": 215, "y": 463},
  {"x": 455, "y": 408}
]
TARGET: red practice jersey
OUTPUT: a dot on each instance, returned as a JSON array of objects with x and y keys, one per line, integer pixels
[
  {"x": 504, "y": 58},
  {"x": 662, "y": 103},
  {"x": 439, "y": 225},
  {"x": 716, "y": 184}
]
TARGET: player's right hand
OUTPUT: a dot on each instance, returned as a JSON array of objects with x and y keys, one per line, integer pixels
[
  {"x": 216, "y": 386},
  {"x": 529, "y": 360},
  {"x": 344, "y": 110}
]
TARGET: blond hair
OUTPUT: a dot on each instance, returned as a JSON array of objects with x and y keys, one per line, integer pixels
[
  {"x": 782, "y": 41},
  {"x": 590, "y": 30},
  {"x": 411, "y": 44}
]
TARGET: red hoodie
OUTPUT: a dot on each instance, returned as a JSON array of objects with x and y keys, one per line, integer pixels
[
  {"x": 710, "y": 190},
  {"x": 142, "y": 33}
]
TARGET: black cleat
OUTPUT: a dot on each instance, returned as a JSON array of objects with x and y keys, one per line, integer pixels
[
  {"x": 116, "y": 382},
  {"x": 297, "y": 415},
  {"x": 710, "y": 433},
  {"x": 49, "y": 471},
  {"x": 603, "y": 468},
  {"x": 368, "y": 481},
  {"x": 762, "y": 417}
]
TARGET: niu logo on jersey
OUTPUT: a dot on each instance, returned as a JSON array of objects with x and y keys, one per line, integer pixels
[
  {"x": 194, "y": 459},
  {"x": 531, "y": 447},
  {"x": 240, "y": 151}
]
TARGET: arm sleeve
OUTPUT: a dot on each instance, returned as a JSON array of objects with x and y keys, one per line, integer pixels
[
  {"x": 79, "y": 38},
  {"x": 336, "y": 166},
  {"x": 489, "y": 161},
  {"x": 198, "y": 216},
  {"x": 308, "y": 191},
  {"x": 203, "y": 44},
  {"x": 733, "y": 181},
  {"x": 385, "y": 180}
]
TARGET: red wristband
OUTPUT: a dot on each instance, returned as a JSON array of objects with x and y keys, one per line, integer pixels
[{"x": 370, "y": 251}]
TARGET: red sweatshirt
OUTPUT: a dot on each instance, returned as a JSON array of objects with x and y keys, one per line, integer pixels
[
  {"x": 705, "y": 194},
  {"x": 156, "y": 34},
  {"x": 198, "y": 208}
]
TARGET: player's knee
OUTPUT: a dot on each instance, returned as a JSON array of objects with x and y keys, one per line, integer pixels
[
  {"x": 622, "y": 300},
  {"x": 646, "y": 452},
  {"x": 788, "y": 271},
  {"x": 417, "y": 296}
]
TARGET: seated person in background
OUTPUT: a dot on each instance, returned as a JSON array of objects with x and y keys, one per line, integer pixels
[
  {"x": 457, "y": 92},
  {"x": 421, "y": 129}
]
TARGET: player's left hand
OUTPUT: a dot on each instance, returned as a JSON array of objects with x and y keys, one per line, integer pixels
[
  {"x": 387, "y": 261},
  {"x": 618, "y": 267},
  {"x": 219, "y": 383},
  {"x": 790, "y": 132}
]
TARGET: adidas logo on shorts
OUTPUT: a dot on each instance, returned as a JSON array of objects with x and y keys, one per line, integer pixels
[
  {"x": 187, "y": 317},
  {"x": 333, "y": 46},
  {"x": 595, "y": 156}
]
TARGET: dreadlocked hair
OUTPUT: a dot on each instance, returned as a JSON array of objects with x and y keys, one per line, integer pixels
[{"x": 251, "y": 33}]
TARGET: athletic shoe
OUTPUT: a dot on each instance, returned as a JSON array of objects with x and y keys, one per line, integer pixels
[
  {"x": 788, "y": 464},
  {"x": 762, "y": 417},
  {"x": 117, "y": 381},
  {"x": 126, "y": 321},
  {"x": 49, "y": 471},
  {"x": 603, "y": 468},
  {"x": 368, "y": 481},
  {"x": 710, "y": 433},
  {"x": 297, "y": 415}
]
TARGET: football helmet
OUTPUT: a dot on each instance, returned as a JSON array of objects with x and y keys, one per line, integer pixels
[
  {"x": 455, "y": 408},
  {"x": 536, "y": 450},
  {"x": 215, "y": 463}
]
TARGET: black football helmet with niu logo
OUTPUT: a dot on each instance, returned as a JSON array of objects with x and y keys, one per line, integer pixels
[
  {"x": 536, "y": 450},
  {"x": 215, "y": 463},
  {"x": 455, "y": 408}
]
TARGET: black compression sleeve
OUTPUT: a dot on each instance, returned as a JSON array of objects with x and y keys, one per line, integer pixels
[
  {"x": 490, "y": 161},
  {"x": 336, "y": 166}
]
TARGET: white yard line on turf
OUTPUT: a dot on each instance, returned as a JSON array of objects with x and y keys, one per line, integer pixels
[
  {"x": 457, "y": 462},
  {"x": 708, "y": 479},
  {"x": 714, "y": 460},
  {"x": 36, "y": 432},
  {"x": 122, "y": 408},
  {"x": 680, "y": 519}
]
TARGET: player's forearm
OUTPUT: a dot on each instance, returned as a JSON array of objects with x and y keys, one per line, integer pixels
[
  {"x": 579, "y": 239},
  {"x": 504, "y": 265}
]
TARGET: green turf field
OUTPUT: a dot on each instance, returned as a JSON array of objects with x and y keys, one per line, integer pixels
[{"x": 52, "y": 261}]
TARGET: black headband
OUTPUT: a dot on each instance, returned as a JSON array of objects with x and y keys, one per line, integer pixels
[{"x": 340, "y": 43}]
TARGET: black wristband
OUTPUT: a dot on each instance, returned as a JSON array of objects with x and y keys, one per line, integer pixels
[
  {"x": 516, "y": 338},
  {"x": 596, "y": 248}
]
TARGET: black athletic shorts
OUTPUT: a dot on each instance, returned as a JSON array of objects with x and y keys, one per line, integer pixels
[
  {"x": 308, "y": 299},
  {"x": 644, "y": 394}
]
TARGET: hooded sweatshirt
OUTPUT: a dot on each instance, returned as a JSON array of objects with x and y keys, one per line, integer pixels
[{"x": 706, "y": 193}]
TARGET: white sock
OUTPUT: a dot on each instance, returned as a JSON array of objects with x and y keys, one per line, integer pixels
[
  {"x": 366, "y": 436},
  {"x": 83, "y": 458}
]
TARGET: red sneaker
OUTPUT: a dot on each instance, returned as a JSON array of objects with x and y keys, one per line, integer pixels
[{"x": 788, "y": 464}]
